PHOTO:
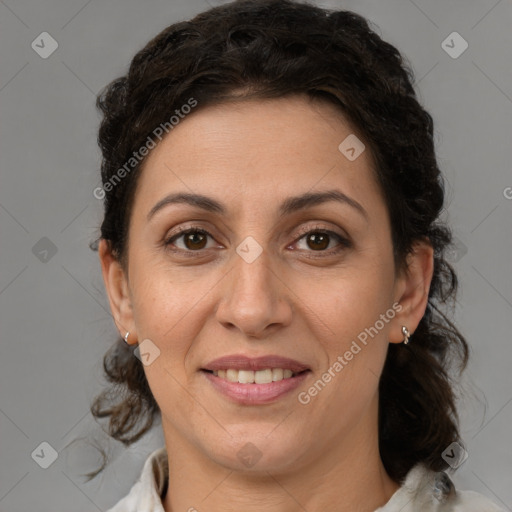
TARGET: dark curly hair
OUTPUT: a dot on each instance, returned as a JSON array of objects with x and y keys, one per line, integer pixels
[{"x": 273, "y": 49}]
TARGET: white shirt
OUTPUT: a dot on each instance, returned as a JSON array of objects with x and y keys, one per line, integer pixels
[{"x": 422, "y": 490}]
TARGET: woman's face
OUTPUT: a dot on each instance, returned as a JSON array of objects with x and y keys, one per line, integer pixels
[{"x": 255, "y": 285}]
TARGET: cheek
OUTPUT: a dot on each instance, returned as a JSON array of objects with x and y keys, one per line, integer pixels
[
  {"x": 168, "y": 315},
  {"x": 352, "y": 332},
  {"x": 162, "y": 295},
  {"x": 345, "y": 303},
  {"x": 166, "y": 312}
]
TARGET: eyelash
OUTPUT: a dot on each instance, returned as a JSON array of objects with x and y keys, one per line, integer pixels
[{"x": 343, "y": 242}]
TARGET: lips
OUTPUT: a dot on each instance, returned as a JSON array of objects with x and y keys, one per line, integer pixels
[
  {"x": 242, "y": 362},
  {"x": 255, "y": 394},
  {"x": 245, "y": 380}
]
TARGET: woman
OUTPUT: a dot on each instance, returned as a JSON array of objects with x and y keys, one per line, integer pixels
[{"x": 274, "y": 263}]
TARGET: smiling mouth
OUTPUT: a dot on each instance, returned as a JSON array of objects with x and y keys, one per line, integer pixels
[{"x": 255, "y": 377}]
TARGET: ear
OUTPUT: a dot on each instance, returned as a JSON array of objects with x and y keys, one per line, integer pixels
[
  {"x": 116, "y": 285},
  {"x": 412, "y": 288}
]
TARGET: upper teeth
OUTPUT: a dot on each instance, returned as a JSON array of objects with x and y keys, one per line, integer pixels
[{"x": 258, "y": 377}]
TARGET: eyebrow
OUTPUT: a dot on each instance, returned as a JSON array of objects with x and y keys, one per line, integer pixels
[{"x": 289, "y": 205}]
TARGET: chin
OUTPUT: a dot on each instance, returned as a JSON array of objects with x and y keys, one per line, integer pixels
[{"x": 257, "y": 453}]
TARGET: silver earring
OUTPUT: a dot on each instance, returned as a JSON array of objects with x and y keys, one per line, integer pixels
[
  {"x": 406, "y": 334},
  {"x": 126, "y": 337}
]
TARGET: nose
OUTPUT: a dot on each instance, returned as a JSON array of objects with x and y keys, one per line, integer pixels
[{"x": 255, "y": 299}]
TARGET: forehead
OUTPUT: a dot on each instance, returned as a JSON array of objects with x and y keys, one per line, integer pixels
[{"x": 258, "y": 152}]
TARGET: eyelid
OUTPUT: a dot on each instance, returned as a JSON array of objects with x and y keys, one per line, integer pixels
[{"x": 319, "y": 227}]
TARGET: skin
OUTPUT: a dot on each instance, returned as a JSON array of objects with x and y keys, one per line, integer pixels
[{"x": 251, "y": 156}]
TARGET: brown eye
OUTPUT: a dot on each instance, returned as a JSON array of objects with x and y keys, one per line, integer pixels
[
  {"x": 193, "y": 239},
  {"x": 320, "y": 240}
]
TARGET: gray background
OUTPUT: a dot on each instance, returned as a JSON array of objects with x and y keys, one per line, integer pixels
[{"x": 55, "y": 320}]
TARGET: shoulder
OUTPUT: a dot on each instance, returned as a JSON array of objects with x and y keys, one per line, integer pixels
[
  {"x": 147, "y": 492},
  {"x": 430, "y": 491},
  {"x": 470, "y": 501}
]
